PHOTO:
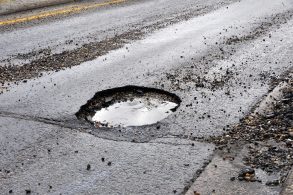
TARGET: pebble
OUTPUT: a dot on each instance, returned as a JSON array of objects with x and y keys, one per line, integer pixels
[
  {"x": 247, "y": 174},
  {"x": 273, "y": 183}
]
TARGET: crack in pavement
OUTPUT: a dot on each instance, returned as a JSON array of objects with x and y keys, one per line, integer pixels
[
  {"x": 87, "y": 130},
  {"x": 36, "y": 119}
]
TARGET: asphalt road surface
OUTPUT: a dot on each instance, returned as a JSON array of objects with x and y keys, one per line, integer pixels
[{"x": 218, "y": 56}]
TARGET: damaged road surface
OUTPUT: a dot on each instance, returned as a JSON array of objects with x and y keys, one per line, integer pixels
[
  {"x": 129, "y": 106},
  {"x": 157, "y": 97}
]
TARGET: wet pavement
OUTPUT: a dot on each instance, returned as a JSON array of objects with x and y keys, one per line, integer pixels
[{"x": 220, "y": 64}]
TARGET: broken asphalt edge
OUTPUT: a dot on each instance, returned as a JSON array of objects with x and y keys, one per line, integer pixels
[{"x": 264, "y": 107}]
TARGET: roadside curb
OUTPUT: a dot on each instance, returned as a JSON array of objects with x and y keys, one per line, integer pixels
[
  {"x": 288, "y": 186},
  {"x": 9, "y": 6}
]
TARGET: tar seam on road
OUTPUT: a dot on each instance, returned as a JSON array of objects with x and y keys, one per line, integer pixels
[{"x": 74, "y": 9}]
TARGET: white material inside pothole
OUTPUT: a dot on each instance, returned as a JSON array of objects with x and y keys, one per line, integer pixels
[{"x": 138, "y": 112}]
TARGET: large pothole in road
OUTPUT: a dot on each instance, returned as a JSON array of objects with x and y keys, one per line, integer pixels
[{"x": 129, "y": 106}]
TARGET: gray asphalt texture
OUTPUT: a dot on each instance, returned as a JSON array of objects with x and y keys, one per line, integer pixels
[{"x": 218, "y": 59}]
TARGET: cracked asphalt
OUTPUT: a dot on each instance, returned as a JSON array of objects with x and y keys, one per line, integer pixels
[{"x": 220, "y": 57}]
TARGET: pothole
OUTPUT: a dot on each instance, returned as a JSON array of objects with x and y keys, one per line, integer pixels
[{"x": 129, "y": 106}]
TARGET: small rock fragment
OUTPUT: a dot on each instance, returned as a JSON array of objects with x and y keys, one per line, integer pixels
[
  {"x": 273, "y": 183},
  {"x": 247, "y": 174}
]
